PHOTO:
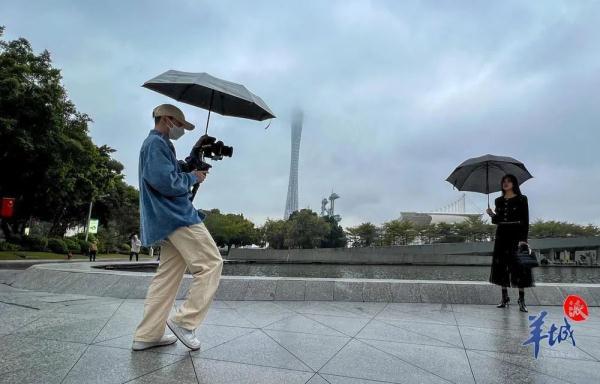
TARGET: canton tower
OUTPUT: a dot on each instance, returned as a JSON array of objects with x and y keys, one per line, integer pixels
[{"x": 291, "y": 204}]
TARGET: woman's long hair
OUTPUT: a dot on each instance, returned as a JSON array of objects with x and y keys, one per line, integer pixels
[{"x": 515, "y": 184}]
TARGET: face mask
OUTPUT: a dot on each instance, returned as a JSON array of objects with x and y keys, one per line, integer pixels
[{"x": 175, "y": 132}]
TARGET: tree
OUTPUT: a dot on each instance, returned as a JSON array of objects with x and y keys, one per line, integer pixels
[
  {"x": 306, "y": 230},
  {"x": 275, "y": 232},
  {"x": 398, "y": 232},
  {"x": 542, "y": 229},
  {"x": 336, "y": 238},
  {"x": 230, "y": 229},
  {"x": 49, "y": 163},
  {"x": 363, "y": 235}
]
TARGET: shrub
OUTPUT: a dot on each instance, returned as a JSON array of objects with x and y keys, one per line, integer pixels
[
  {"x": 84, "y": 246},
  {"x": 73, "y": 244},
  {"x": 6, "y": 246},
  {"x": 34, "y": 243},
  {"x": 124, "y": 248},
  {"x": 58, "y": 246}
]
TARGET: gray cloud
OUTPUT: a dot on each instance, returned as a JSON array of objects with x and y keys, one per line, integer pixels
[{"x": 395, "y": 94}]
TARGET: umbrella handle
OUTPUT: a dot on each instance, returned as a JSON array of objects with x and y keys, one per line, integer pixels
[{"x": 212, "y": 96}]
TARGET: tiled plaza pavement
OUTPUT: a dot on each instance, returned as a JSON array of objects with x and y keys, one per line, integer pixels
[{"x": 51, "y": 338}]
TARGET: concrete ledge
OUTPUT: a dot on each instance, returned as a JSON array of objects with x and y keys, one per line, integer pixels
[{"x": 81, "y": 278}]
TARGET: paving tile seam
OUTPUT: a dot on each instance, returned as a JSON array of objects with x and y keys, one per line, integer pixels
[
  {"x": 367, "y": 339},
  {"x": 360, "y": 378},
  {"x": 194, "y": 368},
  {"x": 49, "y": 339},
  {"x": 463, "y": 343},
  {"x": 158, "y": 369},
  {"x": 16, "y": 330},
  {"x": 522, "y": 367},
  {"x": 19, "y": 305},
  {"x": 258, "y": 326},
  {"x": 290, "y": 352},
  {"x": 587, "y": 353},
  {"x": 228, "y": 326},
  {"x": 337, "y": 304},
  {"x": 150, "y": 350},
  {"x": 88, "y": 346},
  {"x": 310, "y": 378},
  {"x": 420, "y": 334},
  {"x": 405, "y": 361},
  {"x": 327, "y": 314},
  {"x": 225, "y": 342},
  {"x": 343, "y": 333},
  {"x": 479, "y": 351},
  {"x": 305, "y": 333},
  {"x": 352, "y": 338},
  {"x": 256, "y": 365},
  {"x": 354, "y": 316}
]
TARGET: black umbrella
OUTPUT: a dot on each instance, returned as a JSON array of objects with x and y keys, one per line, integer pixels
[
  {"x": 483, "y": 174},
  {"x": 211, "y": 93}
]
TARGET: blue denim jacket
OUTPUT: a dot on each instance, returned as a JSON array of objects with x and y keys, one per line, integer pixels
[{"x": 164, "y": 190}]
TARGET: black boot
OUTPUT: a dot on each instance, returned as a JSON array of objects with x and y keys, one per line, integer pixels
[
  {"x": 505, "y": 299},
  {"x": 504, "y": 303},
  {"x": 522, "y": 306}
]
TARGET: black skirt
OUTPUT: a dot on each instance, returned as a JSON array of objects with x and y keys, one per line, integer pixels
[{"x": 505, "y": 270}]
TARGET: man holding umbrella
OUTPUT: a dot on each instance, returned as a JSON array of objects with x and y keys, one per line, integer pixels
[{"x": 167, "y": 214}]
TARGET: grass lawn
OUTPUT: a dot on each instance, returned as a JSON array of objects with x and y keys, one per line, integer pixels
[{"x": 27, "y": 255}]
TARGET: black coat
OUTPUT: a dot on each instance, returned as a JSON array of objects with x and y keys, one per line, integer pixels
[{"x": 512, "y": 219}]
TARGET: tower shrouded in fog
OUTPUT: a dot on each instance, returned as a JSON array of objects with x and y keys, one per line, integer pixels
[{"x": 291, "y": 204}]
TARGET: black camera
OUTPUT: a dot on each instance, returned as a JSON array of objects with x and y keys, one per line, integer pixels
[{"x": 205, "y": 147}]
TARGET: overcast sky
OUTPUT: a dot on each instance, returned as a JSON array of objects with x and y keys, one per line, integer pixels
[{"x": 395, "y": 94}]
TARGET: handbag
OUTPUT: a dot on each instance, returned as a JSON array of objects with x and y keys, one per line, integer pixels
[{"x": 525, "y": 258}]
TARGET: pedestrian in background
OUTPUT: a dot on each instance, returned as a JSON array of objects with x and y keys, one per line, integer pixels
[
  {"x": 93, "y": 250},
  {"x": 136, "y": 245}
]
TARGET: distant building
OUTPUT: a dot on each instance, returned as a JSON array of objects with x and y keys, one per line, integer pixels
[
  {"x": 452, "y": 213},
  {"x": 425, "y": 218}
]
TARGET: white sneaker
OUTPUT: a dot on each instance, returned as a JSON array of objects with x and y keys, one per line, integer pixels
[
  {"x": 187, "y": 337},
  {"x": 165, "y": 340}
]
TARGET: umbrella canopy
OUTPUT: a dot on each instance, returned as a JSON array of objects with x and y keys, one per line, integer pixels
[
  {"x": 483, "y": 174},
  {"x": 211, "y": 93}
]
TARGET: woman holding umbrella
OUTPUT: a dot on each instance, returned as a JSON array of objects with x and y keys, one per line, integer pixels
[{"x": 512, "y": 219}]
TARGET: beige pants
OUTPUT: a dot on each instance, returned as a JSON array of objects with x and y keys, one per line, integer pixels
[{"x": 188, "y": 247}]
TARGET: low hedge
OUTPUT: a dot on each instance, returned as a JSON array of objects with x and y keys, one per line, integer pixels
[
  {"x": 58, "y": 246},
  {"x": 34, "y": 243},
  {"x": 6, "y": 246},
  {"x": 73, "y": 244}
]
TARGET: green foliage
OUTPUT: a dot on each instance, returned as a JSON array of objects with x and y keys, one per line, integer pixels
[
  {"x": 275, "y": 232},
  {"x": 305, "y": 229},
  {"x": 336, "y": 238},
  {"x": 230, "y": 229},
  {"x": 49, "y": 163},
  {"x": 543, "y": 229},
  {"x": 398, "y": 232},
  {"x": 57, "y": 246},
  {"x": 6, "y": 246},
  {"x": 364, "y": 235},
  {"x": 72, "y": 244},
  {"x": 125, "y": 249},
  {"x": 34, "y": 243},
  {"x": 84, "y": 246}
]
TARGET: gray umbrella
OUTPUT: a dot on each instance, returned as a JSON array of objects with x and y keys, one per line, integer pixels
[
  {"x": 483, "y": 174},
  {"x": 208, "y": 92}
]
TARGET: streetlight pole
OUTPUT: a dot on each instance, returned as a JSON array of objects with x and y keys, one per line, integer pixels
[{"x": 87, "y": 224}]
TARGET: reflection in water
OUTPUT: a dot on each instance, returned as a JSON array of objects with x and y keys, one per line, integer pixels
[{"x": 402, "y": 272}]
